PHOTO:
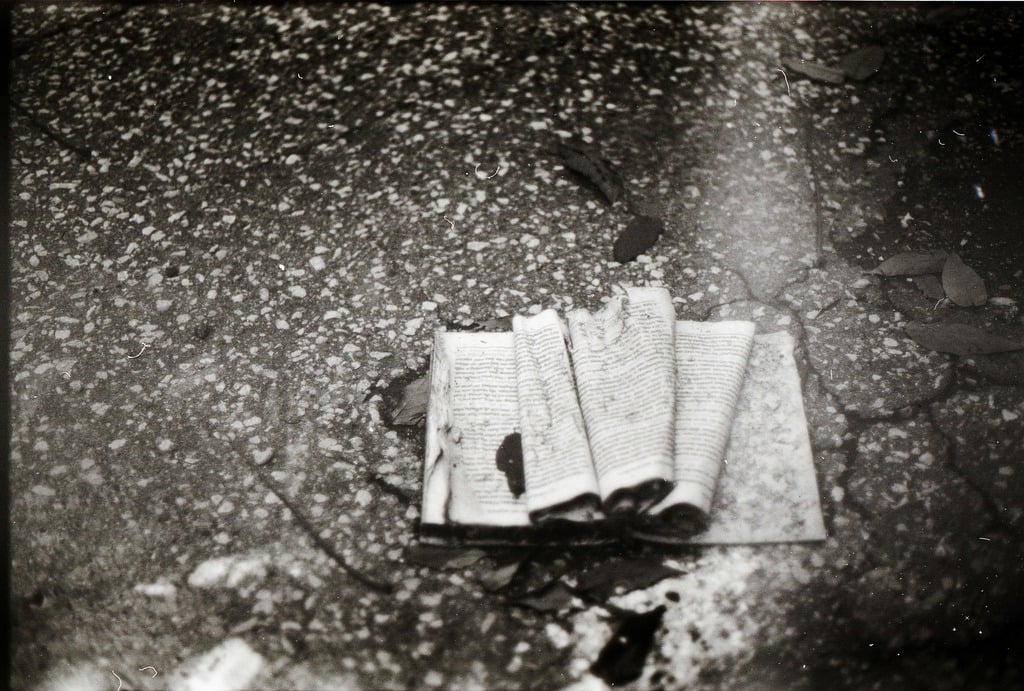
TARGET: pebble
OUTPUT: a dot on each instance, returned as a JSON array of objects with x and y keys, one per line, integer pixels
[
  {"x": 228, "y": 572},
  {"x": 231, "y": 666},
  {"x": 160, "y": 589},
  {"x": 262, "y": 456}
]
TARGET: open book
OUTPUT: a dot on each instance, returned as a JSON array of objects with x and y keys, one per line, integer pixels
[{"x": 620, "y": 420}]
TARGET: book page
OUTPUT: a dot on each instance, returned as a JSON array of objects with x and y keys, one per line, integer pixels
[
  {"x": 768, "y": 491},
  {"x": 711, "y": 360},
  {"x": 624, "y": 359},
  {"x": 472, "y": 410},
  {"x": 559, "y": 472}
]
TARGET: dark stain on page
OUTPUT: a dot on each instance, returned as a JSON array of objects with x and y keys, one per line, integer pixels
[{"x": 509, "y": 460}]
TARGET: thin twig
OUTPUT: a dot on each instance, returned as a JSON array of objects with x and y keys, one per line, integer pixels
[
  {"x": 83, "y": 27},
  {"x": 397, "y": 492},
  {"x": 321, "y": 543},
  {"x": 819, "y": 219},
  {"x": 83, "y": 152},
  {"x": 476, "y": 170},
  {"x": 145, "y": 346},
  {"x": 788, "y": 91}
]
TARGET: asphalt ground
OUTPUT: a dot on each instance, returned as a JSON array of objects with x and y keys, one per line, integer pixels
[{"x": 232, "y": 228}]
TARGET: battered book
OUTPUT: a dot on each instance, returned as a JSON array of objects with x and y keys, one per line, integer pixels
[{"x": 620, "y": 421}]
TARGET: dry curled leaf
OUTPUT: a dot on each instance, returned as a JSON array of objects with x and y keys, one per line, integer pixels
[
  {"x": 911, "y": 264},
  {"x": 638, "y": 237},
  {"x": 960, "y": 339},
  {"x": 815, "y": 70},
  {"x": 436, "y": 557},
  {"x": 499, "y": 577},
  {"x": 553, "y": 598},
  {"x": 587, "y": 162},
  {"x": 602, "y": 581},
  {"x": 962, "y": 284},
  {"x": 930, "y": 285},
  {"x": 535, "y": 573},
  {"x": 862, "y": 63},
  {"x": 623, "y": 656},
  {"x": 411, "y": 407},
  {"x": 947, "y": 12},
  {"x": 497, "y": 324}
]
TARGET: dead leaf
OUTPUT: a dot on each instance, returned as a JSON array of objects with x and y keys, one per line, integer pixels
[
  {"x": 500, "y": 324},
  {"x": 911, "y": 264},
  {"x": 587, "y": 161},
  {"x": 554, "y": 598},
  {"x": 499, "y": 577},
  {"x": 412, "y": 405},
  {"x": 509, "y": 460},
  {"x": 814, "y": 70},
  {"x": 468, "y": 324},
  {"x": 536, "y": 572},
  {"x": 631, "y": 574},
  {"x": 930, "y": 285},
  {"x": 962, "y": 284},
  {"x": 947, "y": 12},
  {"x": 960, "y": 339},
  {"x": 638, "y": 237},
  {"x": 436, "y": 557},
  {"x": 862, "y": 63},
  {"x": 623, "y": 656}
]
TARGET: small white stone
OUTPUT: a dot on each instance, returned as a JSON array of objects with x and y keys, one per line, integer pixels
[
  {"x": 412, "y": 326},
  {"x": 160, "y": 589},
  {"x": 228, "y": 572},
  {"x": 297, "y": 291},
  {"x": 558, "y": 636},
  {"x": 231, "y": 666},
  {"x": 317, "y": 263},
  {"x": 262, "y": 456},
  {"x": 163, "y": 305}
]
